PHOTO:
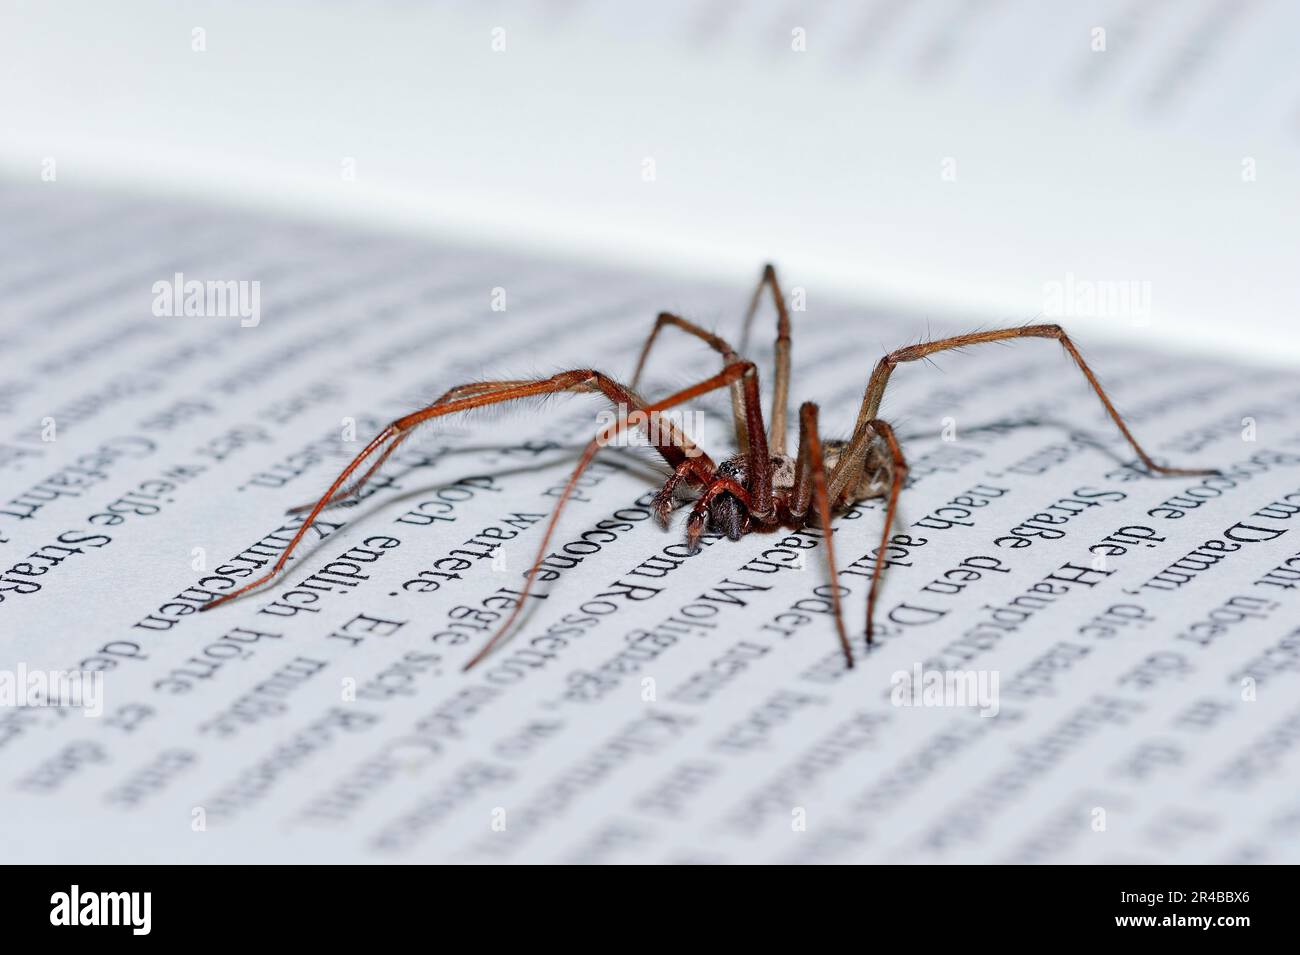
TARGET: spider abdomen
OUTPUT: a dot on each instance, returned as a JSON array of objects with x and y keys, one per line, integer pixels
[{"x": 876, "y": 474}]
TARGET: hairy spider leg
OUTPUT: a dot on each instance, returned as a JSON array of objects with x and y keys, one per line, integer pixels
[
  {"x": 880, "y": 377},
  {"x": 675, "y": 449},
  {"x": 700, "y": 468},
  {"x": 717, "y": 343},
  {"x": 812, "y": 470},
  {"x": 475, "y": 388},
  {"x": 850, "y": 464},
  {"x": 781, "y": 382},
  {"x": 897, "y": 478}
]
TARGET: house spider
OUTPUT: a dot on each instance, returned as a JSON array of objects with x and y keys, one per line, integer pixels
[{"x": 759, "y": 487}]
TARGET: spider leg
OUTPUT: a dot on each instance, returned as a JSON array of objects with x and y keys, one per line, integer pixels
[
  {"x": 718, "y": 344},
  {"x": 781, "y": 383},
  {"x": 899, "y": 476},
  {"x": 726, "y": 377},
  {"x": 664, "y": 319},
  {"x": 749, "y": 413},
  {"x": 761, "y": 500},
  {"x": 721, "y": 485},
  {"x": 353, "y": 489},
  {"x": 800, "y": 497},
  {"x": 663, "y": 500},
  {"x": 700, "y": 512},
  {"x": 676, "y": 448},
  {"x": 880, "y": 377},
  {"x": 811, "y": 474},
  {"x": 762, "y": 506}
]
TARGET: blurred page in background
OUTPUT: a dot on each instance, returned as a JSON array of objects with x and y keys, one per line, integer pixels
[{"x": 1127, "y": 164}]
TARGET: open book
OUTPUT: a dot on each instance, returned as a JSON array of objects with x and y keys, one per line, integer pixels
[
  {"x": 1074, "y": 661},
  {"x": 1001, "y": 159}
]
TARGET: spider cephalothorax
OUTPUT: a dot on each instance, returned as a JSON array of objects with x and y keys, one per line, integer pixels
[
  {"x": 726, "y": 511},
  {"x": 759, "y": 487}
]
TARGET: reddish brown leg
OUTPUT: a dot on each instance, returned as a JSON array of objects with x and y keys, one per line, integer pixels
[
  {"x": 880, "y": 377},
  {"x": 676, "y": 448},
  {"x": 663, "y": 501},
  {"x": 695, "y": 524},
  {"x": 665, "y": 319},
  {"x": 760, "y": 502},
  {"x": 718, "y": 344},
  {"x": 751, "y": 437},
  {"x": 781, "y": 381},
  {"x": 475, "y": 388},
  {"x": 726, "y": 377},
  {"x": 813, "y": 467},
  {"x": 801, "y": 495}
]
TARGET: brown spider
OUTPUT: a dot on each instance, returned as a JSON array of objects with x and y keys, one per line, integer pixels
[{"x": 761, "y": 486}]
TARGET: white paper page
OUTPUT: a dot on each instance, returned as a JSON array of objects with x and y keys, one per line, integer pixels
[
  {"x": 944, "y": 153},
  {"x": 653, "y": 706}
]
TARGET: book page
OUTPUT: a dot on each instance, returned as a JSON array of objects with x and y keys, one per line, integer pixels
[
  {"x": 1074, "y": 661},
  {"x": 946, "y": 154}
]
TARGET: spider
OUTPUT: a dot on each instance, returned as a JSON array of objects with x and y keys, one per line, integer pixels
[{"x": 761, "y": 487}]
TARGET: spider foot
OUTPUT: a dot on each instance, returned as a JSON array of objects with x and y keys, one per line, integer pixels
[
  {"x": 695, "y": 530},
  {"x": 663, "y": 504}
]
